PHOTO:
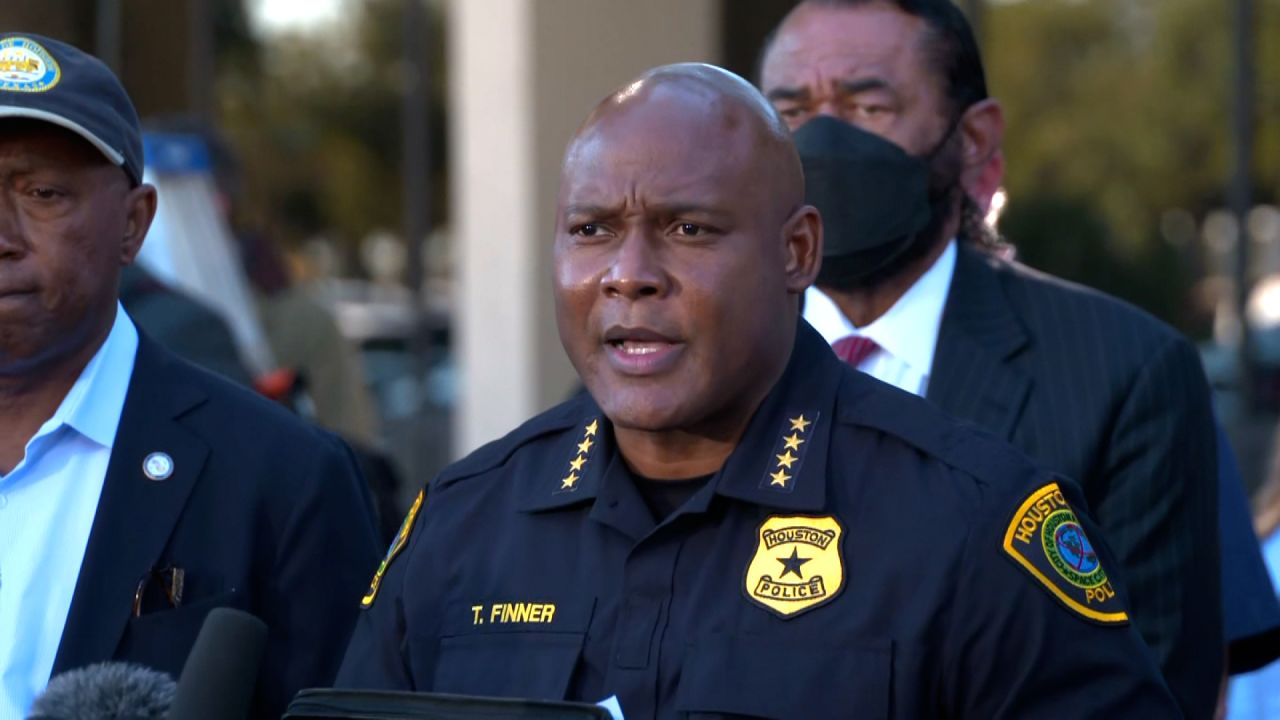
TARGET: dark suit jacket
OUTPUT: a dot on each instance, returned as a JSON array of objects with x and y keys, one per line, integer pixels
[
  {"x": 181, "y": 323},
  {"x": 1100, "y": 391},
  {"x": 262, "y": 512}
]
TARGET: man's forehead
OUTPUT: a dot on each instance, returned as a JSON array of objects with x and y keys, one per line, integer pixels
[
  {"x": 610, "y": 170},
  {"x": 47, "y": 142},
  {"x": 874, "y": 38},
  {"x": 678, "y": 107},
  {"x": 662, "y": 138}
]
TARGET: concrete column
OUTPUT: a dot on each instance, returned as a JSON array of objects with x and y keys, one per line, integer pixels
[{"x": 523, "y": 74}]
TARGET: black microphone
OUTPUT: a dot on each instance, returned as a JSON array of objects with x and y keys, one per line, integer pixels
[
  {"x": 105, "y": 691},
  {"x": 218, "y": 680}
]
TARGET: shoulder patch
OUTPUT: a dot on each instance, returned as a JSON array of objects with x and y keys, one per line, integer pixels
[
  {"x": 401, "y": 539},
  {"x": 1045, "y": 538}
]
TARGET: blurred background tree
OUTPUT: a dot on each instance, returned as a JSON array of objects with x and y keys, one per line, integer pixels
[
  {"x": 315, "y": 118},
  {"x": 1118, "y": 115}
]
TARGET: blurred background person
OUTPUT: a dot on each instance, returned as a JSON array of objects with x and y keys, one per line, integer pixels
[
  {"x": 304, "y": 338},
  {"x": 182, "y": 324},
  {"x": 301, "y": 332},
  {"x": 305, "y": 361},
  {"x": 320, "y": 373}
]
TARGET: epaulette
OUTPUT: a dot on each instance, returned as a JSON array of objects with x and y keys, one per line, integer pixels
[
  {"x": 869, "y": 403},
  {"x": 559, "y": 418}
]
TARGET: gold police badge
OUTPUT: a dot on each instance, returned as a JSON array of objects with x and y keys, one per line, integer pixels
[{"x": 797, "y": 565}]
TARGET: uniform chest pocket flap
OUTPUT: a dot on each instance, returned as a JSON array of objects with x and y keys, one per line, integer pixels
[
  {"x": 784, "y": 680},
  {"x": 517, "y": 649}
]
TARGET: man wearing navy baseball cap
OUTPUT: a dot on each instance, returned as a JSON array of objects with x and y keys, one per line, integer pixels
[
  {"x": 47, "y": 80},
  {"x": 138, "y": 492}
]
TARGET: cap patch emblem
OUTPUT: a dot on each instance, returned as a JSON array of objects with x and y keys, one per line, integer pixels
[
  {"x": 25, "y": 66},
  {"x": 1046, "y": 539},
  {"x": 797, "y": 565},
  {"x": 401, "y": 539}
]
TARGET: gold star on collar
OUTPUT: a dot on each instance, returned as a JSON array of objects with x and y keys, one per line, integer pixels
[
  {"x": 585, "y": 446},
  {"x": 786, "y": 459},
  {"x": 799, "y": 423},
  {"x": 793, "y": 442},
  {"x": 780, "y": 478},
  {"x": 577, "y": 463},
  {"x": 591, "y": 429},
  {"x": 568, "y": 482}
]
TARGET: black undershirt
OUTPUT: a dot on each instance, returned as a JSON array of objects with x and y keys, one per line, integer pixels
[{"x": 666, "y": 496}]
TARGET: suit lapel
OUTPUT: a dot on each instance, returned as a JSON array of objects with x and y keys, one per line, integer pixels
[
  {"x": 135, "y": 515},
  {"x": 973, "y": 376}
]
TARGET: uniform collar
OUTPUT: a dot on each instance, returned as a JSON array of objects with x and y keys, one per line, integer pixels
[
  {"x": 577, "y": 462},
  {"x": 780, "y": 461}
]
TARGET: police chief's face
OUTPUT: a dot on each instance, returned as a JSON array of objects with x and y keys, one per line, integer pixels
[
  {"x": 867, "y": 65},
  {"x": 671, "y": 292},
  {"x": 68, "y": 222}
]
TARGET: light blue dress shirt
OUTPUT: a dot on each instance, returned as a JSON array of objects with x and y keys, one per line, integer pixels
[{"x": 47, "y": 506}]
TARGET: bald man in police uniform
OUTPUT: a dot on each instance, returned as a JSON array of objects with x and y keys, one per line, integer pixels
[{"x": 732, "y": 522}]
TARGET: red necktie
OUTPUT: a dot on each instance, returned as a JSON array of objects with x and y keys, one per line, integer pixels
[{"x": 853, "y": 349}]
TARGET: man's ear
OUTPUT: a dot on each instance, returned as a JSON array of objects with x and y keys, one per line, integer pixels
[
  {"x": 140, "y": 209},
  {"x": 982, "y": 130},
  {"x": 802, "y": 239},
  {"x": 987, "y": 182}
]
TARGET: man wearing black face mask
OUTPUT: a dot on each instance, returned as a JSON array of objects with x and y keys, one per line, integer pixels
[
  {"x": 885, "y": 210},
  {"x": 897, "y": 134}
]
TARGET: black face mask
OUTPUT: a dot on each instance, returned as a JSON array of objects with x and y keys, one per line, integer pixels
[{"x": 881, "y": 207}]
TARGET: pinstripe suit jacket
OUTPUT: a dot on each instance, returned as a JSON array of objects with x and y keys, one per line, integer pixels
[{"x": 1102, "y": 392}]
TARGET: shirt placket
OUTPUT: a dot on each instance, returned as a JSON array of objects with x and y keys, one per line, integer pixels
[{"x": 647, "y": 583}]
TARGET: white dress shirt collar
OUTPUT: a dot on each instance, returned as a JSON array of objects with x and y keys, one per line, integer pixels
[{"x": 909, "y": 329}]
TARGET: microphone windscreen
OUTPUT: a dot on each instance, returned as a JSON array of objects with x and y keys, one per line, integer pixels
[
  {"x": 218, "y": 679},
  {"x": 106, "y": 691}
]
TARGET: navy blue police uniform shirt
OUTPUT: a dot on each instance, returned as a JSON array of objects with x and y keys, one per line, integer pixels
[{"x": 859, "y": 554}]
